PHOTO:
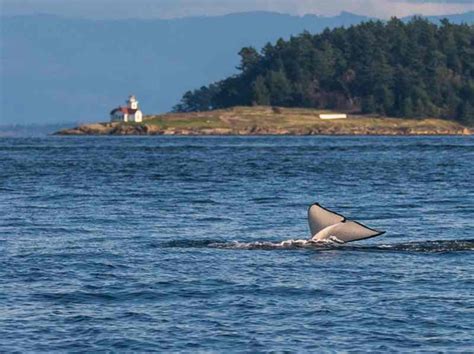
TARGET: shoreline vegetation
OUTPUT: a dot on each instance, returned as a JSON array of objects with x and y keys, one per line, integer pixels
[
  {"x": 263, "y": 120},
  {"x": 394, "y": 69}
]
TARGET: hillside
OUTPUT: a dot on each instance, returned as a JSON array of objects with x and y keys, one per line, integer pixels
[
  {"x": 393, "y": 68},
  {"x": 269, "y": 121}
]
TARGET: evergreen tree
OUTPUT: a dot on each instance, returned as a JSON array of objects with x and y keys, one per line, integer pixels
[
  {"x": 368, "y": 104},
  {"x": 261, "y": 95},
  {"x": 249, "y": 58},
  {"x": 407, "y": 107},
  {"x": 466, "y": 113},
  {"x": 280, "y": 88},
  {"x": 197, "y": 100}
]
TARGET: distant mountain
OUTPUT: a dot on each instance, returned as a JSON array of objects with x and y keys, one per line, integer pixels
[
  {"x": 467, "y": 17},
  {"x": 58, "y": 69}
]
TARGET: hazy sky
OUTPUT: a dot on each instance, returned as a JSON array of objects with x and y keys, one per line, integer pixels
[{"x": 182, "y": 8}]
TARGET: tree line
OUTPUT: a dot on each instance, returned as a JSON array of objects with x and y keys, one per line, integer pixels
[{"x": 413, "y": 69}]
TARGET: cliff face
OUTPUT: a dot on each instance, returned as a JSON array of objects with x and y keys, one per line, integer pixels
[{"x": 270, "y": 121}]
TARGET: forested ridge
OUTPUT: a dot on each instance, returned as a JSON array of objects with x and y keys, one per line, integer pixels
[{"x": 393, "y": 68}]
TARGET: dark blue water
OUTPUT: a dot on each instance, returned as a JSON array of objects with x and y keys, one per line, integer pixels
[{"x": 173, "y": 244}]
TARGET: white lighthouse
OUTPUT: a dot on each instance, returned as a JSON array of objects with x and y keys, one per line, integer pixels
[
  {"x": 132, "y": 102},
  {"x": 130, "y": 113}
]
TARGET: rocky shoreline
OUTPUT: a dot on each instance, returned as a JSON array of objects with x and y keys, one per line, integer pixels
[{"x": 145, "y": 129}]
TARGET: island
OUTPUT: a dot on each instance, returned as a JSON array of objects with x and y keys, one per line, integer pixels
[
  {"x": 382, "y": 77},
  {"x": 263, "y": 120}
]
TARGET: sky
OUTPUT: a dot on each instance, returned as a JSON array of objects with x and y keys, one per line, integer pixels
[{"x": 119, "y": 9}]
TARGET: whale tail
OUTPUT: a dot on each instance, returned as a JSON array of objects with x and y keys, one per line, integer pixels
[{"x": 328, "y": 225}]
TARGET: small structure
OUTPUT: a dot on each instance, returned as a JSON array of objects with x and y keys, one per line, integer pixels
[
  {"x": 130, "y": 113},
  {"x": 333, "y": 116}
]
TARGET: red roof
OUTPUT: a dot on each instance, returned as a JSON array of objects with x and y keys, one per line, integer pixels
[{"x": 124, "y": 110}]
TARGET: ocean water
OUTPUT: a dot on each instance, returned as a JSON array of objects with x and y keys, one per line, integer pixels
[{"x": 174, "y": 244}]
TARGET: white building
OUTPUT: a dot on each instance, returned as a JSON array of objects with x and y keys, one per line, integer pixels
[
  {"x": 130, "y": 113},
  {"x": 333, "y": 116}
]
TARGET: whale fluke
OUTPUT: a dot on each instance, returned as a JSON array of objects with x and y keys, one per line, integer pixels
[{"x": 328, "y": 225}]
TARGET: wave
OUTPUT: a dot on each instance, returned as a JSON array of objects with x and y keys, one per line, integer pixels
[{"x": 435, "y": 246}]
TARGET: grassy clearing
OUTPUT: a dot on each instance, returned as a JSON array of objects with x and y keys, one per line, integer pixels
[
  {"x": 241, "y": 118},
  {"x": 172, "y": 121}
]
